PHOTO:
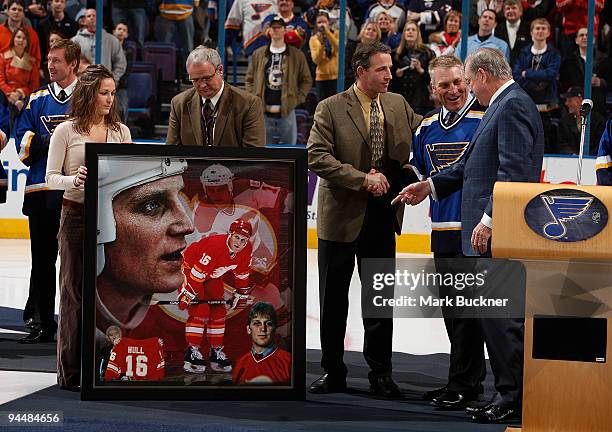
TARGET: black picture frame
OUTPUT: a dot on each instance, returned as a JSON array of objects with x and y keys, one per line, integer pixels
[{"x": 291, "y": 161}]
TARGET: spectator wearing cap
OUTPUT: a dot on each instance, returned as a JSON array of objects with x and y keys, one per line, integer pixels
[
  {"x": 79, "y": 18},
  {"x": 572, "y": 71},
  {"x": 537, "y": 70},
  {"x": 296, "y": 29},
  {"x": 568, "y": 141},
  {"x": 113, "y": 57},
  {"x": 279, "y": 75}
]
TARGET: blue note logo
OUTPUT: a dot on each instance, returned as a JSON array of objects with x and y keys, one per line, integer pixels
[
  {"x": 443, "y": 155},
  {"x": 566, "y": 215},
  {"x": 50, "y": 122}
]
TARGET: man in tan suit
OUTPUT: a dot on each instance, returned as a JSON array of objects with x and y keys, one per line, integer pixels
[
  {"x": 214, "y": 113},
  {"x": 358, "y": 144}
]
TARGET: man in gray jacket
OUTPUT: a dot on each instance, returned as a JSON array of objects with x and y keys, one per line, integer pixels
[
  {"x": 279, "y": 75},
  {"x": 113, "y": 57}
]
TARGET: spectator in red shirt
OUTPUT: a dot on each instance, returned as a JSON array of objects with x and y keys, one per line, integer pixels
[
  {"x": 19, "y": 72},
  {"x": 16, "y": 19}
]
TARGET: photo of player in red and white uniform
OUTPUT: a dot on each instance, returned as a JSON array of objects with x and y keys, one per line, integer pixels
[
  {"x": 265, "y": 363},
  {"x": 222, "y": 199},
  {"x": 205, "y": 264},
  {"x": 204, "y": 337},
  {"x": 136, "y": 359}
]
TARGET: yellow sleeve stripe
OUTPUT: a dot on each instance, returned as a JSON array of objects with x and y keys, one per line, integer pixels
[{"x": 26, "y": 141}]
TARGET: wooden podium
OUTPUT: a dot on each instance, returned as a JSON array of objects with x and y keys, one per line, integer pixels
[{"x": 563, "y": 236}]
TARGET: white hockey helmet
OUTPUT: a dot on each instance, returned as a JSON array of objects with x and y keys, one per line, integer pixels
[
  {"x": 119, "y": 174},
  {"x": 217, "y": 175}
]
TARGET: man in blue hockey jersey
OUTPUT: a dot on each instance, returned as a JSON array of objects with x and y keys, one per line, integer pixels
[
  {"x": 43, "y": 111},
  {"x": 603, "y": 165},
  {"x": 440, "y": 141}
]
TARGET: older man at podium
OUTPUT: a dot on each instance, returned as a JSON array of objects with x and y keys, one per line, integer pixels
[{"x": 507, "y": 146}]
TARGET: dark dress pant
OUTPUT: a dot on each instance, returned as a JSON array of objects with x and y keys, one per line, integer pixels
[
  {"x": 44, "y": 226},
  {"x": 71, "y": 288},
  {"x": 467, "y": 369},
  {"x": 336, "y": 264}
]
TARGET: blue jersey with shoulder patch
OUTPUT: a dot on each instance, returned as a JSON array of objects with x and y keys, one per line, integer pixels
[
  {"x": 435, "y": 147},
  {"x": 603, "y": 165},
  {"x": 41, "y": 114}
]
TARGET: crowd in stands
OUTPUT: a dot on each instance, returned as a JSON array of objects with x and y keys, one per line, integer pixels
[{"x": 545, "y": 42}]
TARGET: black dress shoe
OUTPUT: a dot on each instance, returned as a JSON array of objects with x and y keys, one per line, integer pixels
[
  {"x": 38, "y": 336},
  {"x": 497, "y": 414},
  {"x": 476, "y": 408},
  {"x": 430, "y": 395},
  {"x": 452, "y": 400},
  {"x": 384, "y": 386},
  {"x": 328, "y": 384},
  {"x": 30, "y": 325}
]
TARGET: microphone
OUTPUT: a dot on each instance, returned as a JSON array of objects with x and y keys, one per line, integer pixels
[{"x": 586, "y": 107}]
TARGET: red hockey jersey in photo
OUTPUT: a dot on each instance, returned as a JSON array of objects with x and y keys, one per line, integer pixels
[
  {"x": 275, "y": 368},
  {"x": 136, "y": 359},
  {"x": 210, "y": 258}
]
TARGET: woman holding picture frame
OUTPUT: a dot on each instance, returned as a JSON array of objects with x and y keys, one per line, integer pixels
[{"x": 94, "y": 117}]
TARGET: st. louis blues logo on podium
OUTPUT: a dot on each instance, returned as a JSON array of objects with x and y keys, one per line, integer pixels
[
  {"x": 443, "y": 155},
  {"x": 563, "y": 209},
  {"x": 566, "y": 215}
]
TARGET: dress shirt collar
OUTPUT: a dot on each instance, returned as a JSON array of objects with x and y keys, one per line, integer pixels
[
  {"x": 500, "y": 90},
  {"x": 68, "y": 90},
  {"x": 463, "y": 109},
  {"x": 513, "y": 26},
  {"x": 216, "y": 97},
  {"x": 363, "y": 98}
]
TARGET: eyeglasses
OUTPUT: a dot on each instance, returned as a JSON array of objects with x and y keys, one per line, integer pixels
[{"x": 203, "y": 79}]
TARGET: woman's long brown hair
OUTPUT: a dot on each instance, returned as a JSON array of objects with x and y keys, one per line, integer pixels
[
  {"x": 27, "y": 38},
  {"x": 418, "y": 44},
  {"x": 83, "y": 104}
]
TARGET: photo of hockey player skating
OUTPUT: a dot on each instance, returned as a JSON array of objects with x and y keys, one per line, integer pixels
[
  {"x": 205, "y": 263},
  {"x": 229, "y": 224}
]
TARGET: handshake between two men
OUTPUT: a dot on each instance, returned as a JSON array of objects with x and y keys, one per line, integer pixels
[{"x": 414, "y": 193}]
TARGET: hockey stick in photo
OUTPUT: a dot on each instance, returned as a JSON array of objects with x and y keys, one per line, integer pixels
[{"x": 155, "y": 302}]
